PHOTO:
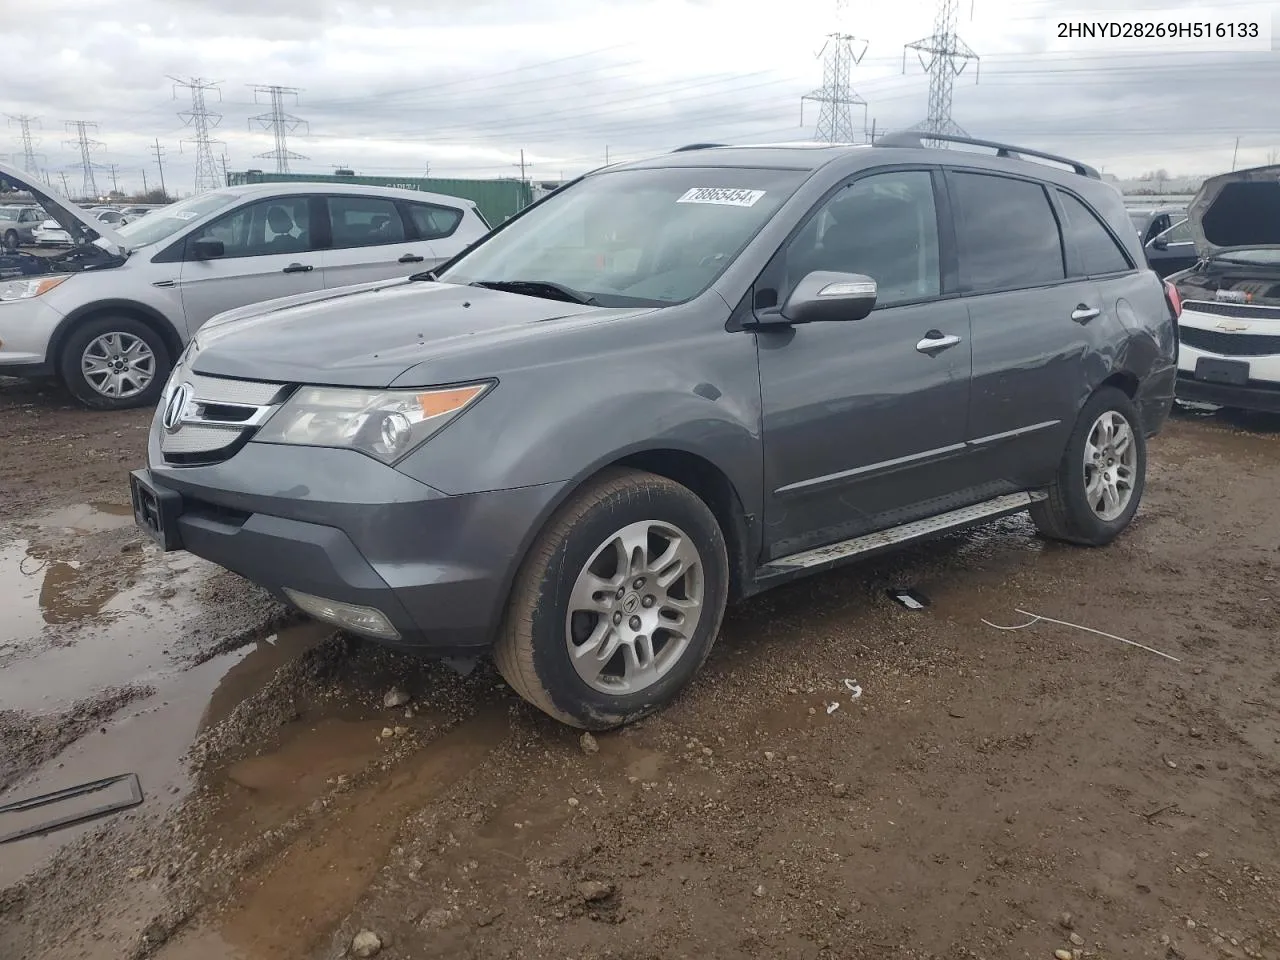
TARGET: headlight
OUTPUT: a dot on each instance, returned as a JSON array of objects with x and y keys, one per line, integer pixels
[
  {"x": 385, "y": 424},
  {"x": 28, "y": 288}
]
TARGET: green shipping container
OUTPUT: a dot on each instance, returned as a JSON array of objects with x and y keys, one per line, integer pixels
[{"x": 496, "y": 199}]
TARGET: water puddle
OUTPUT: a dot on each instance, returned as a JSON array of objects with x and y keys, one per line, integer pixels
[
  {"x": 152, "y": 736},
  {"x": 83, "y": 609},
  {"x": 117, "y": 634},
  {"x": 97, "y": 517}
]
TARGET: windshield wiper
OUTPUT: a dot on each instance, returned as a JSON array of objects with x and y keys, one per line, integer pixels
[{"x": 538, "y": 288}]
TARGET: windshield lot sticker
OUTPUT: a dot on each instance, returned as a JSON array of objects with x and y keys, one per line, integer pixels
[{"x": 724, "y": 196}]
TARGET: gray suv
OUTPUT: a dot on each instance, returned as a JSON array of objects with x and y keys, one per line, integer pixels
[{"x": 668, "y": 385}]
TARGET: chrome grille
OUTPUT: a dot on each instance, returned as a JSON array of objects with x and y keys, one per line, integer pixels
[
  {"x": 213, "y": 416},
  {"x": 197, "y": 438},
  {"x": 1230, "y": 344},
  {"x": 249, "y": 393},
  {"x": 1224, "y": 308}
]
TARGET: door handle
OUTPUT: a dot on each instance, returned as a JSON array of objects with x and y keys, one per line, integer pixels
[
  {"x": 1083, "y": 313},
  {"x": 298, "y": 268},
  {"x": 411, "y": 258},
  {"x": 935, "y": 341}
]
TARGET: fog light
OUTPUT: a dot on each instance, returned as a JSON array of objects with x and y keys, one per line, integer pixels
[{"x": 349, "y": 616}]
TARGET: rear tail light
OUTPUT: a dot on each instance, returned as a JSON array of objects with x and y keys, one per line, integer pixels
[{"x": 1174, "y": 298}]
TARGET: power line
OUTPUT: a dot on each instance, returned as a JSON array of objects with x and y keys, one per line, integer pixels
[
  {"x": 947, "y": 57},
  {"x": 159, "y": 152},
  {"x": 280, "y": 124},
  {"x": 29, "y": 154},
  {"x": 89, "y": 188},
  {"x": 836, "y": 95},
  {"x": 201, "y": 119}
]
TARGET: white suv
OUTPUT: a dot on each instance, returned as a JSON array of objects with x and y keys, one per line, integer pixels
[{"x": 109, "y": 316}]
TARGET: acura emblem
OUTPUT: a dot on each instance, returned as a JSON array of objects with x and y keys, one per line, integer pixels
[{"x": 177, "y": 406}]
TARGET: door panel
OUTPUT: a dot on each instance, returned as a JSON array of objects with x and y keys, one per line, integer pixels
[
  {"x": 856, "y": 418},
  {"x": 267, "y": 253},
  {"x": 1034, "y": 314},
  {"x": 857, "y": 422},
  {"x": 370, "y": 242}
]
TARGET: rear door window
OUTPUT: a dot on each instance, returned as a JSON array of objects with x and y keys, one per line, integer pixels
[
  {"x": 364, "y": 221},
  {"x": 1007, "y": 233},
  {"x": 1097, "y": 250}
]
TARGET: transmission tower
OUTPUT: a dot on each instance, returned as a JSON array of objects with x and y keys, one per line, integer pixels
[
  {"x": 201, "y": 119},
  {"x": 944, "y": 56},
  {"x": 279, "y": 123},
  {"x": 81, "y": 128},
  {"x": 28, "y": 142},
  {"x": 836, "y": 96}
]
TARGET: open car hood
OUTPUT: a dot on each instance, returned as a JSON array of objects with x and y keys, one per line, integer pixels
[
  {"x": 1237, "y": 211},
  {"x": 80, "y": 226}
]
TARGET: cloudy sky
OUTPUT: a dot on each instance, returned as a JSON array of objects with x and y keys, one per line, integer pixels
[{"x": 394, "y": 86}]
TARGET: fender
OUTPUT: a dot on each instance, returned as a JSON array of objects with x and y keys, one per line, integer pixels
[
  {"x": 748, "y": 535},
  {"x": 153, "y": 317}
]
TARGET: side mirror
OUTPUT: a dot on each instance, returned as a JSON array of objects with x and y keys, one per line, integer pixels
[
  {"x": 207, "y": 249},
  {"x": 827, "y": 295},
  {"x": 1159, "y": 243}
]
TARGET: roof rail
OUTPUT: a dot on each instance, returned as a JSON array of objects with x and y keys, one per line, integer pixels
[
  {"x": 698, "y": 146},
  {"x": 917, "y": 138}
]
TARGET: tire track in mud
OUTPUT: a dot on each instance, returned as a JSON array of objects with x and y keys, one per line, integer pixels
[{"x": 288, "y": 904}]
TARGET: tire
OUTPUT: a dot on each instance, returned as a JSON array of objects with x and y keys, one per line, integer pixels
[
  {"x": 1071, "y": 513},
  {"x": 96, "y": 333},
  {"x": 533, "y": 649},
  {"x": 11, "y": 241}
]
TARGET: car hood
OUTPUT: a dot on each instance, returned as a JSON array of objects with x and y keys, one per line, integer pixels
[
  {"x": 370, "y": 334},
  {"x": 1237, "y": 211},
  {"x": 80, "y": 226}
]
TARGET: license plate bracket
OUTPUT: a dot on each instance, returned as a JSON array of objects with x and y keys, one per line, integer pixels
[
  {"x": 1232, "y": 373},
  {"x": 155, "y": 510}
]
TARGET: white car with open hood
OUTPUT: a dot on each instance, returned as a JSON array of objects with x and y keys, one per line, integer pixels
[
  {"x": 110, "y": 315},
  {"x": 1229, "y": 329}
]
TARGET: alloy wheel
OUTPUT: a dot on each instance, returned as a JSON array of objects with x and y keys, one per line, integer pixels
[
  {"x": 1110, "y": 465},
  {"x": 118, "y": 365},
  {"x": 635, "y": 607}
]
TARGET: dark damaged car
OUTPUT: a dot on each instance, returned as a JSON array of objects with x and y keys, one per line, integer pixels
[
  {"x": 1230, "y": 323},
  {"x": 669, "y": 385}
]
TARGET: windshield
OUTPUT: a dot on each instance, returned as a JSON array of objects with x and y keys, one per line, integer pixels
[
  {"x": 1263, "y": 257},
  {"x": 169, "y": 220},
  {"x": 8, "y": 213},
  {"x": 633, "y": 237}
]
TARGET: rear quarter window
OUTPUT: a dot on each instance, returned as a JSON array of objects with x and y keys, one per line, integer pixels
[
  {"x": 1096, "y": 249},
  {"x": 434, "y": 222}
]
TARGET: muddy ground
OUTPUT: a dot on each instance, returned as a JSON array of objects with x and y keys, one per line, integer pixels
[{"x": 991, "y": 793}]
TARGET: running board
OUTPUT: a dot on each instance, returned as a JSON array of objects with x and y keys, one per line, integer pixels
[{"x": 916, "y": 530}]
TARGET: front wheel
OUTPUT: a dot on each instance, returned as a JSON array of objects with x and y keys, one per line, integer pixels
[
  {"x": 115, "y": 363},
  {"x": 11, "y": 240},
  {"x": 618, "y": 603},
  {"x": 1103, "y": 473}
]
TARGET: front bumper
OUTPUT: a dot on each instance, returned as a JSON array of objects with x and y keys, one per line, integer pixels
[
  {"x": 337, "y": 525},
  {"x": 1263, "y": 397},
  {"x": 1241, "y": 370},
  {"x": 26, "y": 328}
]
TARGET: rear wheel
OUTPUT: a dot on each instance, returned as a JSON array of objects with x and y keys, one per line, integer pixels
[
  {"x": 618, "y": 603},
  {"x": 1102, "y": 475},
  {"x": 115, "y": 363}
]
